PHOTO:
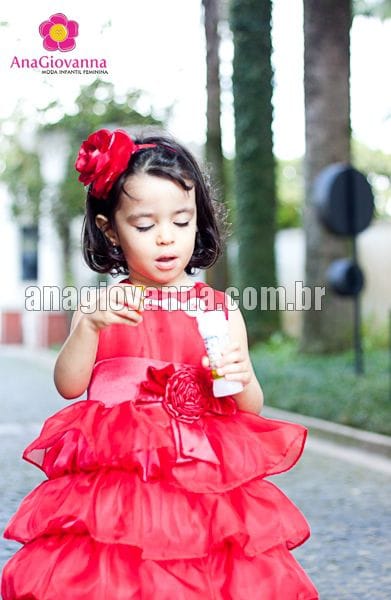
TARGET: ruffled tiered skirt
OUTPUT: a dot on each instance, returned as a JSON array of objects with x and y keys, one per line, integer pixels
[{"x": 125, "y": 515}]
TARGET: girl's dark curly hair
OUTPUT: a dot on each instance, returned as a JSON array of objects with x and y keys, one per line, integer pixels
[{"x": 170, "y": 160}]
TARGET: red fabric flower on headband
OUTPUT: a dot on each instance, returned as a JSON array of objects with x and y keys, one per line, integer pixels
[{"x": 103, "y": 156}]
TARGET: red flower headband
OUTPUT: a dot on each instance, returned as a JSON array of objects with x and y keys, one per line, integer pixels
[{"x": 103, "y": 156}]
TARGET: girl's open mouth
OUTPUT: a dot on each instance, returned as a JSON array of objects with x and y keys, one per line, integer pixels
[{"x": 166, "y": 262}]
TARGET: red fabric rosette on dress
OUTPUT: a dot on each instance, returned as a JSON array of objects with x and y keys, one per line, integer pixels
[{"x": 155, "y": 489}]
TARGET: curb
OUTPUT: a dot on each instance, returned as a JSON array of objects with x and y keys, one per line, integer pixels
[{"x": 368, "y": 441}]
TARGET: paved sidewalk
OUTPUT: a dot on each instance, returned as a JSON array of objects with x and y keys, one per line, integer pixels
[{"x": 343, "y": 491}]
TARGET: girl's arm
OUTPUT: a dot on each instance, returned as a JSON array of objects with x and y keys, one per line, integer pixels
[
  {"x": 73, "y": 368},
  {"x": 236, "y": 365},
  {"x": 74, "y": 364}
]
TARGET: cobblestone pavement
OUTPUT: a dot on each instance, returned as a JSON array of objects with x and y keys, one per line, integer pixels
[{"x": 348, "y": 507}]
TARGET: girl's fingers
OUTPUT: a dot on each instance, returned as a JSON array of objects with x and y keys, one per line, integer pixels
[
  {"x": 231, "y": 347},
  {"x": 232, "y": 371},
  {"x": 231, "y": 357},
  {"x": 235, "y": 367},
  {"x": 244, "y": 377},
  {"x": 134, "y": 297},
  {"x": 130, "y": 296},
  {"x": 126, "y": 314},
  {"x": 120, "y": 314}
]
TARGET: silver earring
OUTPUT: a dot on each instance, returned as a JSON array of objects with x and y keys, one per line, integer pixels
[{"x": 116, "y": 250}]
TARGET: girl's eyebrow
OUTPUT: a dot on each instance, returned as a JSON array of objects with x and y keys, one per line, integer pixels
[
  {"x": 189, "y": 209},
  {"x": 135, "y": 216}
]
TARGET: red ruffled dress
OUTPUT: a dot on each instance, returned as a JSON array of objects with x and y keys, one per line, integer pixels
[{"x": 155, "y": 489}]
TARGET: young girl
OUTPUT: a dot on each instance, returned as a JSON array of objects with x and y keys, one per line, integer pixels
[{"x": 155, "y": 489}]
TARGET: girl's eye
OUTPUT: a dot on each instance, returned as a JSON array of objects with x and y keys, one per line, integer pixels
[
  {"x": 147, "y": 227},
  {"x": 144, "y": 228}
]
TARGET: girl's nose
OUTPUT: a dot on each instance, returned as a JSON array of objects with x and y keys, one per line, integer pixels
[{"x": 165, "y": 235}]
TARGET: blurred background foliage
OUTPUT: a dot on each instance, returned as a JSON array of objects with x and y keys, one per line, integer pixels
[
  {"x": 22, "y": 174},
  {"x": 373, "y": 8}
]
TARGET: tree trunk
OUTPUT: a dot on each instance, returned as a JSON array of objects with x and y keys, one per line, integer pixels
[
  {"x": 254, "y": 161},
  {"x": 327, "y": 124},
  {"x": 217, "y": 276}
]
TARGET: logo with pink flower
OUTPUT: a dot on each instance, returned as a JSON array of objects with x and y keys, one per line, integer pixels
[{"x": 59, "y": 33}]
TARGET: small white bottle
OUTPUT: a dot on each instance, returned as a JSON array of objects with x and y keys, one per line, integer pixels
[{"x": 213, "y": 327}]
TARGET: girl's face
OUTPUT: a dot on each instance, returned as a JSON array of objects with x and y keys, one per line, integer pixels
[{"x": 156, "y": 225}]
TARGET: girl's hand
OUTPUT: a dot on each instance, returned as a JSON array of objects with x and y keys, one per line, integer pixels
[
  {"x": 117, "y": 304},
  {"x": 234, "y": 364}
]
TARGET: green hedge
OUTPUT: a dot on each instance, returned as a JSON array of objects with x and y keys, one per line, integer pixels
[{"x": 326, "y": 386}]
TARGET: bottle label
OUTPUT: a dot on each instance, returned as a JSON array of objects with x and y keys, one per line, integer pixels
[{"x": 213, "y": 345}]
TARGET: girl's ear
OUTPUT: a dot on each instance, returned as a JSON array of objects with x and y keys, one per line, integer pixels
[{"x": 102, "y": 223}]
